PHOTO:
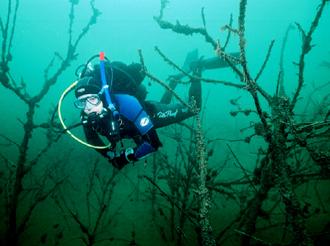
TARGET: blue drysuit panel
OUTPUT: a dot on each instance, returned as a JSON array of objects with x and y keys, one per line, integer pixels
[
  {"x": 143, "y": 150},
  {"x": 131, "y": 108}
]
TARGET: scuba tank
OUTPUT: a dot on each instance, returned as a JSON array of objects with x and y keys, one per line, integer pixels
[{"x": 127, "y": 79}]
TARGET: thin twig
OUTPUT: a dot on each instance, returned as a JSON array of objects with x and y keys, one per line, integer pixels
[
  {"x": 242, "y": 168},
  {"x": 305, "y": 49},
  {"x": 229, "y": 32},
  {"x": 265, "y": 61}
]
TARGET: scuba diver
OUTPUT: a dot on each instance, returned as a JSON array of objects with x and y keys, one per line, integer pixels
[
  {"x": 113, "y": 104},
  {"x": 111, "y": 98}
]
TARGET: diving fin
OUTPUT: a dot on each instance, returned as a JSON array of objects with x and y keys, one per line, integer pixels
[
  {"x": 191, "y": 57},
  {"x": 212, "y": 63},
  {"x": 173, "y": 79},
  {"x": 193, "y": 62}
]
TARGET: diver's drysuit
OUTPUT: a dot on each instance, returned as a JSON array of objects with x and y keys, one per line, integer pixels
[{"x": 138, "y": 118}]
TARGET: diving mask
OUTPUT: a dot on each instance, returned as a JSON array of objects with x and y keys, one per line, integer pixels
[{"x": 92, "y": 99}]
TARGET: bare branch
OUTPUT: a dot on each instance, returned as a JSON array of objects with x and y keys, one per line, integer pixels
[
  {"x": 9, "y": 140},
  {"x": 203, "y": 17},
  {"x": 265, "y": 61},
  {"x": 242, "y": 168},
  {"x": 9, "y": 57},
  {"x": 207, "y": 237},
  {"x": 280, "y": 87},
  {"x": 71, "y": 52},
  {"x": 229, "y": 29},
  {"x": 305, "y": 49},
  {"x": 150, "y": 76},
  {"x": 195, "y": 77},
  {"x": 186, "y": 30}
]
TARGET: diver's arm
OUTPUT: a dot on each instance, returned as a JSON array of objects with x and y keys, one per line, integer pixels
[{"x": 146, "y": 144}]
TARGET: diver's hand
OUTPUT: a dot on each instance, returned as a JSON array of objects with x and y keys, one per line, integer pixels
[
  {"x": 91, "y": 119},
  {"x": 97, "y": 122},
  {"x": 129, "y": 154},
  {"x": 123, "y": 158},
  {"x": 111, "y": 155}
]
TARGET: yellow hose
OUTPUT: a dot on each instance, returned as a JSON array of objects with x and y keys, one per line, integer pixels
[{"x": 66, "y": 91}]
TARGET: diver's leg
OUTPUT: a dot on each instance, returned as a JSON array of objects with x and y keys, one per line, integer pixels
[{"x": 166, "y": 114}]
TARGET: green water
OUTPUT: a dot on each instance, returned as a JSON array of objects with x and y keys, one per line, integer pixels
[{"x": 80, "y": 183}]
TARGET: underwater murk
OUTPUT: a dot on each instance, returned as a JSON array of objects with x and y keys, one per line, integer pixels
[{"x": 251, "y": 167}]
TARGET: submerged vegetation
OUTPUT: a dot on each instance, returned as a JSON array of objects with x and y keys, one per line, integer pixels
[{"x": 276, "y": 203}]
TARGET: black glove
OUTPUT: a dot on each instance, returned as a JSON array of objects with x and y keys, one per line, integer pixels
[
  {"x": 103, "y": 123},
  {"x": 91, "y": 119}
]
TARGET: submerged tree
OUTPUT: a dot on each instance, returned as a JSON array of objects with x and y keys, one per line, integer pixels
[
  {"x": 295, "y": 153},
  {"x": 94, "y": 213},
  {"x": 280, "y": 127},
  {"x": 21, "y": 196}
]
